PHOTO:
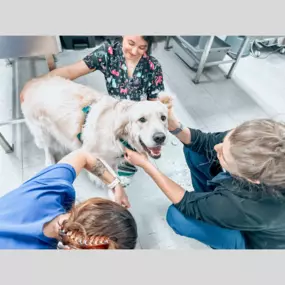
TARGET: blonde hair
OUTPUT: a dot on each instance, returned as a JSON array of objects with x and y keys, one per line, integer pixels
[
  {"x": 99, "y": 224},
  {"x": 258, "y": 148}
]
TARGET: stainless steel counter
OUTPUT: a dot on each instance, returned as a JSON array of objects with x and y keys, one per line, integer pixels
[{"x": 202, "y": 61}]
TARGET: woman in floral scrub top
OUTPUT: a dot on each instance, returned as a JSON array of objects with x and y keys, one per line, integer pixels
[
  {"x": 145, "y": 82},
  {"x": 130, "y": 73}
]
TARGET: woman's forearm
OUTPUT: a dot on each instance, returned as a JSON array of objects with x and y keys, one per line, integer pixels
[
  {"x": 77, "y": 159},
  {"x": 80, "y": 159},
  {"x": 62, "y": 72},
  {"x": 101, "y": 171},
  {"x": 172, "y": 190},
  {"x": 71, "y": 71},
  {"x": 185, "y": 135}
]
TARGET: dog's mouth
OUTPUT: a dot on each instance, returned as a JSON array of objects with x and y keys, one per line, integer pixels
[{"x": 154, "y": 152}]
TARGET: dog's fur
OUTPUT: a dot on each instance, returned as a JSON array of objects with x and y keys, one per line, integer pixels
[{"x": 52, "y": 107}]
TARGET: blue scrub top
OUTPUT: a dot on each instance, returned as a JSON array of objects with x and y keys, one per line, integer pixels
[{"x": 25, "y": 210}]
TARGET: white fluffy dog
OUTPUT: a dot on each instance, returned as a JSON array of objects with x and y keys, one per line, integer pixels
[{"x": 53, "y": 109}]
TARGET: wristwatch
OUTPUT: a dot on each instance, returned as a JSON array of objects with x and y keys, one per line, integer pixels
[{"x": 177, "y": 130}]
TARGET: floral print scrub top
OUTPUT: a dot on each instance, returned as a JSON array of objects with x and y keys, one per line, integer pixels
[{"x": 147, "y": 79}]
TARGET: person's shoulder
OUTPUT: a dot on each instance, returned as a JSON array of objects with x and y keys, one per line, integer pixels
[
  {"x": 116, "y": 47},
  {"x": 103, "y": 46},
  {"x": 152, "y": 62},
  {"x": 111, "y": 48}
]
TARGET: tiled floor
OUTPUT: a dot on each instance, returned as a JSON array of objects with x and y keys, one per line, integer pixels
[{"x": 256, "y": 90}]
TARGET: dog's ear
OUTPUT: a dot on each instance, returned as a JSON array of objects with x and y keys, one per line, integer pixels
[
  {"x": 121, "y": 127},
  {"x": 122, "y": 119}
]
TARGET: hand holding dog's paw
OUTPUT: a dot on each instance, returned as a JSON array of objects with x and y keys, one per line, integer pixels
[{"x": 121, "y": 197}]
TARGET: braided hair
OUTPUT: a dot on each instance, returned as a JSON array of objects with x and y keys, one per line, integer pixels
[{"x": 99, "y": 224}]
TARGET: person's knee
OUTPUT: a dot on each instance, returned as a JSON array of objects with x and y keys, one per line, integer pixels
[
  {"x": 188, "y": 154},
  {"x": 173, "y": 218},
  {"x": 187, "y": 151},
  {"x": 192, "y": 157},
  {"x": 213, "y": 236}
]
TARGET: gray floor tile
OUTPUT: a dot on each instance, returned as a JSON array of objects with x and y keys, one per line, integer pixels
[
  {"x": 263, "y": 81},
  {"x": 248, "y": 113}
]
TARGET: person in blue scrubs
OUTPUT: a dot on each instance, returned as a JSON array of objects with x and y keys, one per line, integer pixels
[{"x": 41, "y": 213}]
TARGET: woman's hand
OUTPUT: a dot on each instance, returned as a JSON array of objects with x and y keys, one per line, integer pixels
[
  {"x": 136, "y": 158},
  {"x": 172, "y": 190},
  {"x": 173, "y": 123},
  {"x": 121, "y": 197},
  {"x": 168, "y": 101}
]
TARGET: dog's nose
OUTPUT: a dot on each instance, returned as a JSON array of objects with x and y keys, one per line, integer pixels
[{"x": 159, "y": 137}]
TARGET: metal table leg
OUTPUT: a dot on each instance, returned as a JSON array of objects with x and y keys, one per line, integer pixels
[
  {"x": 15, "y": 82},
  {"x": 203, "y": 60},
  {"x": 167, "y": 46},
  {"x": 17, "y": 117},
  {"x": 239, "y": 55},
  {"x": 17, "y": 135},
  {"x": 5, "y": 145}
]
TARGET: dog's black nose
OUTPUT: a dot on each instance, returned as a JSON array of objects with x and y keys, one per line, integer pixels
[{"x": 159, "y": 137}]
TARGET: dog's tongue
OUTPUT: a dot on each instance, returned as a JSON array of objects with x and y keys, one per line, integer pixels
[{"x": 155, "y": 150}]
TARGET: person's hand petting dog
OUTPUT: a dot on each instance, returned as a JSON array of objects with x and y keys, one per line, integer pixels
[
  {"x": 83, "y": 159},
  {"x": 121, "y": 197},
  {"x": 166, "y": 99},
  {"x": 136, "y": 158},
  {"x": 173, "y": 191},
  {"x": 173, "y": 123}
]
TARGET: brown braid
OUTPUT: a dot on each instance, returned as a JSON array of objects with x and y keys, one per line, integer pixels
[
  {"x": 98, "y": 224},
  {"x": 77, "y": 240}
]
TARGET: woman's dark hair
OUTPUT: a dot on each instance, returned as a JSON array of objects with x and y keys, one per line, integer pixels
[
  {"x": 99, "y": 223},
  {"x": 152, "y": 42}
]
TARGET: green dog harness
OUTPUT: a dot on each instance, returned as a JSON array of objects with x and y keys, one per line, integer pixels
[
  {"x": 86, "y": 111},
  {"x": 125, "y": 144}
]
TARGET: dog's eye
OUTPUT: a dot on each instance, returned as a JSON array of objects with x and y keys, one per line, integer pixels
[
  {"x": 163, "y": 118},
  {"x": 142, "y": 120}
]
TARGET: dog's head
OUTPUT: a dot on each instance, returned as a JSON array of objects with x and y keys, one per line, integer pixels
[{"x": 144, "y": 126}]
